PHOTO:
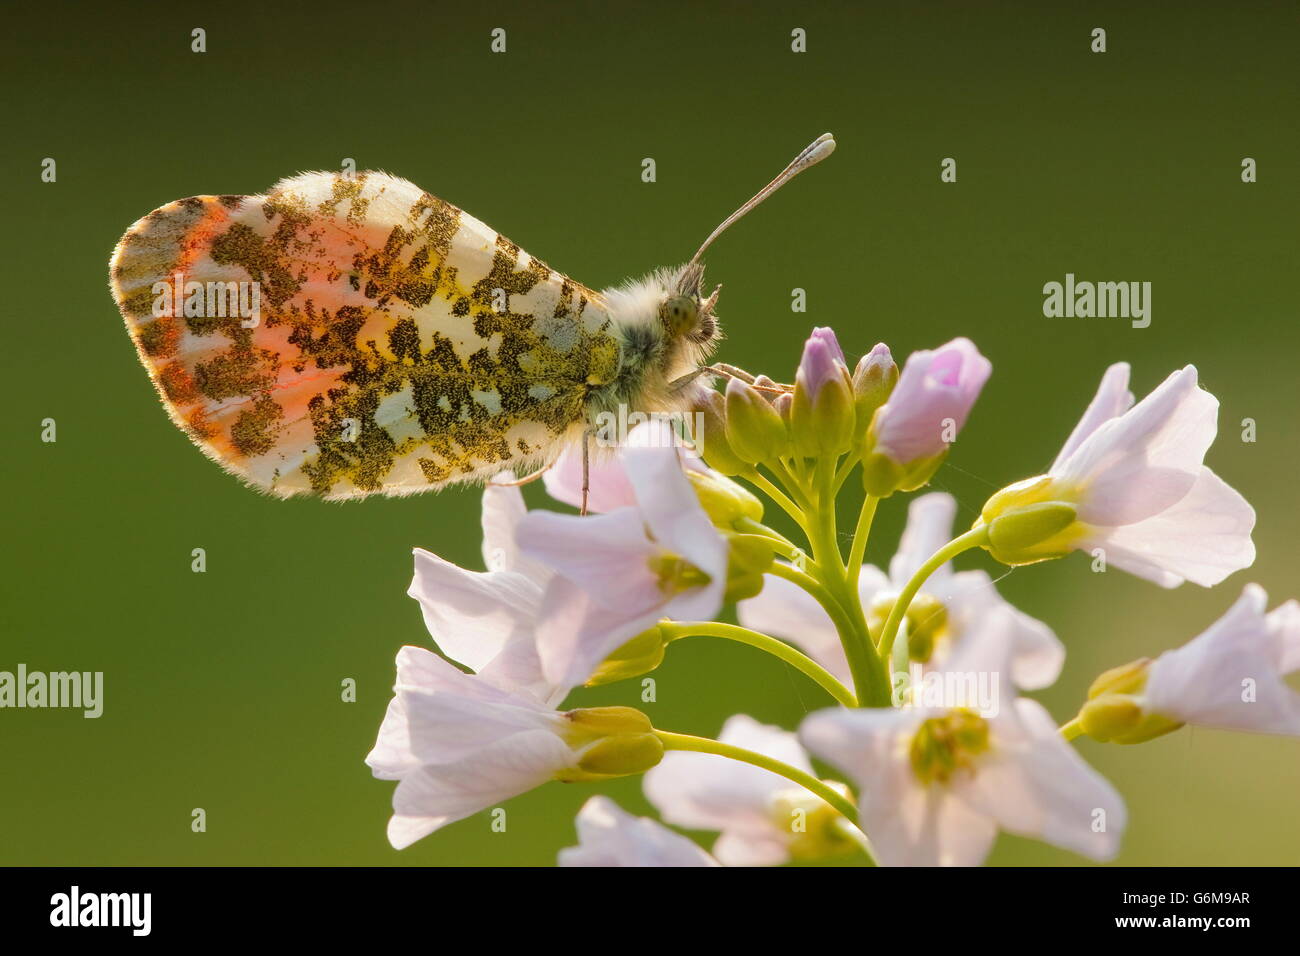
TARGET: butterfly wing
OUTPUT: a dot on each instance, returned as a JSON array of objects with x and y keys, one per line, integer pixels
[{"x": 345, "y": 336}]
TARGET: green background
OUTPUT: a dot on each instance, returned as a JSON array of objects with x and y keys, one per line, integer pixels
[{"x": 222, "y": 689}]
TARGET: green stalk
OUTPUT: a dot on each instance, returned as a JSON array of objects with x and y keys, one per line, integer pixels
[
  {"x": 971, "y": 539},
  {"x": 779, "y": 649},
  {"x": 705, "y": 745}
]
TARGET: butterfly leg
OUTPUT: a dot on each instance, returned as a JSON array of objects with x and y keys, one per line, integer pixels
[
  {"x": 731, "y": 371},
  {"x": 586, "y": 468},
  {"x": 526, "y": 480}
]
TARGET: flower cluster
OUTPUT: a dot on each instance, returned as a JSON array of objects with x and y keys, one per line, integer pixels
[{"x": 927, "y": 750}]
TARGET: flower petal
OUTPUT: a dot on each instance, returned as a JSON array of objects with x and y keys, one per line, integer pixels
[
  {"x": 669, "y": 504},
  {"x": 1037, "y": 655},
  {"x": 907, "y": 823},
  {"x": 1112, "y": 400},
  {"x": 1202, "y": 538},
  {"x": 1229, "y": 676},
  {"x": 933, "y": 387},
  {"x": 471, "y": 615},
  {"x": 433, "y": 796},
  {"x": 606, "y": 555},
  {"x": 1035, "y": 784},
  {"x": 1284, "y": 627},
  {"x": 503, "y": 508},
  {"x": 446, "y": 727},
  {"x": 610, "y": 836},
  {"x": 575, "y": 633},
  {"x": 608, "y": 487},
  {"x": 1137, "y": 465}
]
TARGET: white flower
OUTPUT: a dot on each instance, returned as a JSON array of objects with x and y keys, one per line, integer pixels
[
  {"x": 487, "y": 620},
  {"x": 459, "y": 744},
  {"x": 619, "y": 573},
  {"x": 935, "y": 785},
  {"x": 1232, "y": 675},
  {"x": 764, "y": 819},
  {"x": 1132, "y": 482},
  {"x": 610, "y": 836},
  {"x": 966, "y": 599}
]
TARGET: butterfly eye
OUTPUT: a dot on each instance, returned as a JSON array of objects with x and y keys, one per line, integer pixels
[{"x": 680, "y": 314}]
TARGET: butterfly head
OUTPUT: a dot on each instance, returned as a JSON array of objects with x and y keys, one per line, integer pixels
[{"x": 685, "y": 313}]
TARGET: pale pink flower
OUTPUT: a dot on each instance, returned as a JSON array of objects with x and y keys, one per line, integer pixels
[
  {"x": 610, "y": 836},
  {"x": 1232, "y": 676},
  {"x": 935, "y": 784},
  {"x": 933, "y": 398},
  {"x": 487, "y": 620},
  {"x": 1143, "y": 495},
  {"x": 619, "y": 573},
  {"x": 459, "y": 743}
]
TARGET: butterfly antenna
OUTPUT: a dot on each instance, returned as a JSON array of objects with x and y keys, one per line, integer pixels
[{"x": 815, "y": 152}]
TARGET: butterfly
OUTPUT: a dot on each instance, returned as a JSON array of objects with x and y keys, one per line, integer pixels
[{"x": 348, "y": 334}]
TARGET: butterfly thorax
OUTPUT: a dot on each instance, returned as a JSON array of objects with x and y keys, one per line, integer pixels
[{"x": 665, "y": 331}]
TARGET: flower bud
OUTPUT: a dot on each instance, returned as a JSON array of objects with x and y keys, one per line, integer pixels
[
  {"x": 783, "y": 404},
  {"x": 641, "y": 655},
  {"x": 1120, "y": 719},
  {"x": 822, "y": 412},
  {"x": 1027, "y": 524},
  {"x": 621, "y": 756},
  {"x": 724, "y": 501},
  {"x": 591, "y": 723},
  {"x": 1114, "y": 711},
  {"x": 1128, "y": 678},
  {"x": 611, "y": 742},
  {"x": 749, "y": 556},
  {"x": 925, "y": 410},
  {"x": 873, "y": 380},
  {"x": 715, "y": 448},
  {"x": 754, "y": 428}
]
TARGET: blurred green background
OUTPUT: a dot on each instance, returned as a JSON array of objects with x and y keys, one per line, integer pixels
[{"x": 223, "y": 689}]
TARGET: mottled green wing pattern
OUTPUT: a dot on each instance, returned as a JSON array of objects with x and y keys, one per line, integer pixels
[{"x": 351, "y": 335}]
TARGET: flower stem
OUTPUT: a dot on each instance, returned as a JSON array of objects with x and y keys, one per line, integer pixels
[
  {"x": 845, "y": 470},
  {"x": 781, "y": 498},
  {"x": 779, "y": 649},
  {"x": 705, "y": 745},
  {"x": 870, "y": 676},
  {"x": 1071, "y": 729},
  {"x": 750, "y": 526},
  {"x": 971, "y": 539},
  {"x": 860, "y": 536},
  {"x": 838, "y": 615}
]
